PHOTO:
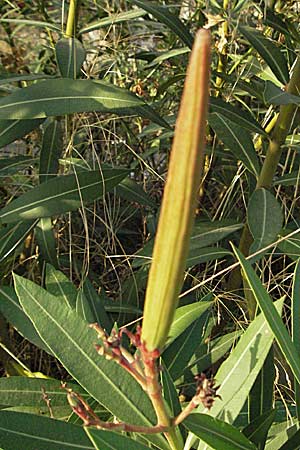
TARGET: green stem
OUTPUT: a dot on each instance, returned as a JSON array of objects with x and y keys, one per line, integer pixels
[
  {"x": 273, "y": 155},
  {"x": 71, "y": 21}
]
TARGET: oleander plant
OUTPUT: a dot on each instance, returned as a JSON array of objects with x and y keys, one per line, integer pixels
[{"x": 149, "y": 225}]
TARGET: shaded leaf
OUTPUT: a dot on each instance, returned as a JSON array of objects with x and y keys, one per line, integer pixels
[
  {"x": 28, "y": 432},
  {"x": 238, "y": 141},
  {"x": 50, "y": 151},
  {"x": 113, "y": 19},
  {"x": 46, "y": 241},
  {"x": 9, "y": 166},
  {"x": 13, "y": 235},
  {"x": 11, "y": 309},
  {"x": 178, "y": 354},
  {"x": 163, "y": 15},
  {"x": 58, "y": 284},
  {"x": 70, "y": 55},
  {"x": 107, "y": 440},
  {"x": 217, "y": 434},
  {"x": 66, "y": 96},
  {"x": 10, "y": 130},
  {"x": 235, "y": 115},
  {"x": 276, "y": 96},
  {"x": 268, "y": 51},
  {"x": 258, "y": 429},
  {"x": 264, "y": 218},
  {"x": 295, "y": 307},
  {"x": 291, "y": 245},
  {"x": 62, "y": 194},
  {"x": 97, "y": 307}
]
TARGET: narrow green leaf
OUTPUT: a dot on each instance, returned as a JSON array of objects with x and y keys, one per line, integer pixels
[
  {"x": 236, "y": 115},
  {"x": 59, "y": 285},
  {"x": 62, "y": 194},
  {"x": 261, "y": 398},
  {"x": 13, "y": 312},
  {"x": 163, "y": 56},
  {"x": 11, "y": 130},
  {"x": 50, "y": 151},
  {"x": 46, "y": 241},
  {"x": 13, "y": 77},
  {"x": 276, "y": 324},
  {"x": 33, "y": 23},
  {"x": 24, "y": 391},
  {"x": 280, "y": 437},
  {"x": 170, "y": 392},
  {"x": 163, "y": 15},
  {"x": 276, "y": 96},
  {"x": 72, "y": 342},
  {"x": 209, "y": 354},
  {"x": 186, "y": 315},
  {"x": 290, "y": 246},
  {"x": 113, "y": 19},
  {"x": 292, "y": 443},
  {"x": 264, "y": 218},
  {"x": 257, "y": 430},
  {"x": 290, "y": 179},
  {"x": 178, "y": 354},
  {"x": 9, "y": 166},
  {"x": 12, "y": 236},
  {"x": 70, "y": 55},
  {"x": 133, "y": 192},
  {"x": 28, "y": 432},
  {"x": 96, "y": 303},
  {"x": 66, "y": 96},
  {"x": 238, "y": 373},
  {"x": 217, "y": 434},
  {"x": 268, "y": 51},
  {"x": 83, "y": 308},
  {"x": 238, "y": 141},
  {"x": 107, "y": 440},
  {"x": 295, "y": 307}
]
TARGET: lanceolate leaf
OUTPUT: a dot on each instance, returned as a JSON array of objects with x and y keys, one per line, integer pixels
[
  {"x": 12, "y": 236},
  {"x": 274, "y": 320},
  {"x": 28, "y": 432},
  {"x": 107, "y": 440},
  {"x": 10, "y": 130},
  {"x": 217, "y": 434},
  {"x": 13, "y": 312},
  {"x": 24, "y": 391},
  {"x": 163, "y": 15},
  {"x": 62, "y": 194},
  {"x": 113, "y": 19},
  {"x": 70, "y": 55},
  {"x": 72, "y": 342},
  {"x": 238, "y": 140},
  {"x": 58, "y": 284},
  {"x": 46, "y": 241},
  {"x": 264, "y": 218},
  {"x": 50, "y": 151},
  {"x": 186, "y": 315},
  {"x": 235, "y": 114},
  {"x": 268, "y": 51},
  {"x": 9, "y": 166},
  {"x": 96, "y": 306},
  {"x": 66, "y": 96}
]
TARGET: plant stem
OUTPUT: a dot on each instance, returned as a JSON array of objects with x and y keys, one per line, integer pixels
[
  {"x": 278, "y": 137},
  {"x": 71, "y": 21}
]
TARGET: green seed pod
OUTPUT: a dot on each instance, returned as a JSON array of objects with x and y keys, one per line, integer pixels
[{"x": 179, "y": 200}]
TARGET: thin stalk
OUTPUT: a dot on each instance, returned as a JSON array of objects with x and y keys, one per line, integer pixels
[
  {"x": 273, "y": 155},
  {"x": 71, "y": 21}
]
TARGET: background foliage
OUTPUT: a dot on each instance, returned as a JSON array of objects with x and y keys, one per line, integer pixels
[{"x": 86, "y": 125}]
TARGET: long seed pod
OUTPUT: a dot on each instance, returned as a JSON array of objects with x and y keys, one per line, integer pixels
[{"x": 179, "y": 200}]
